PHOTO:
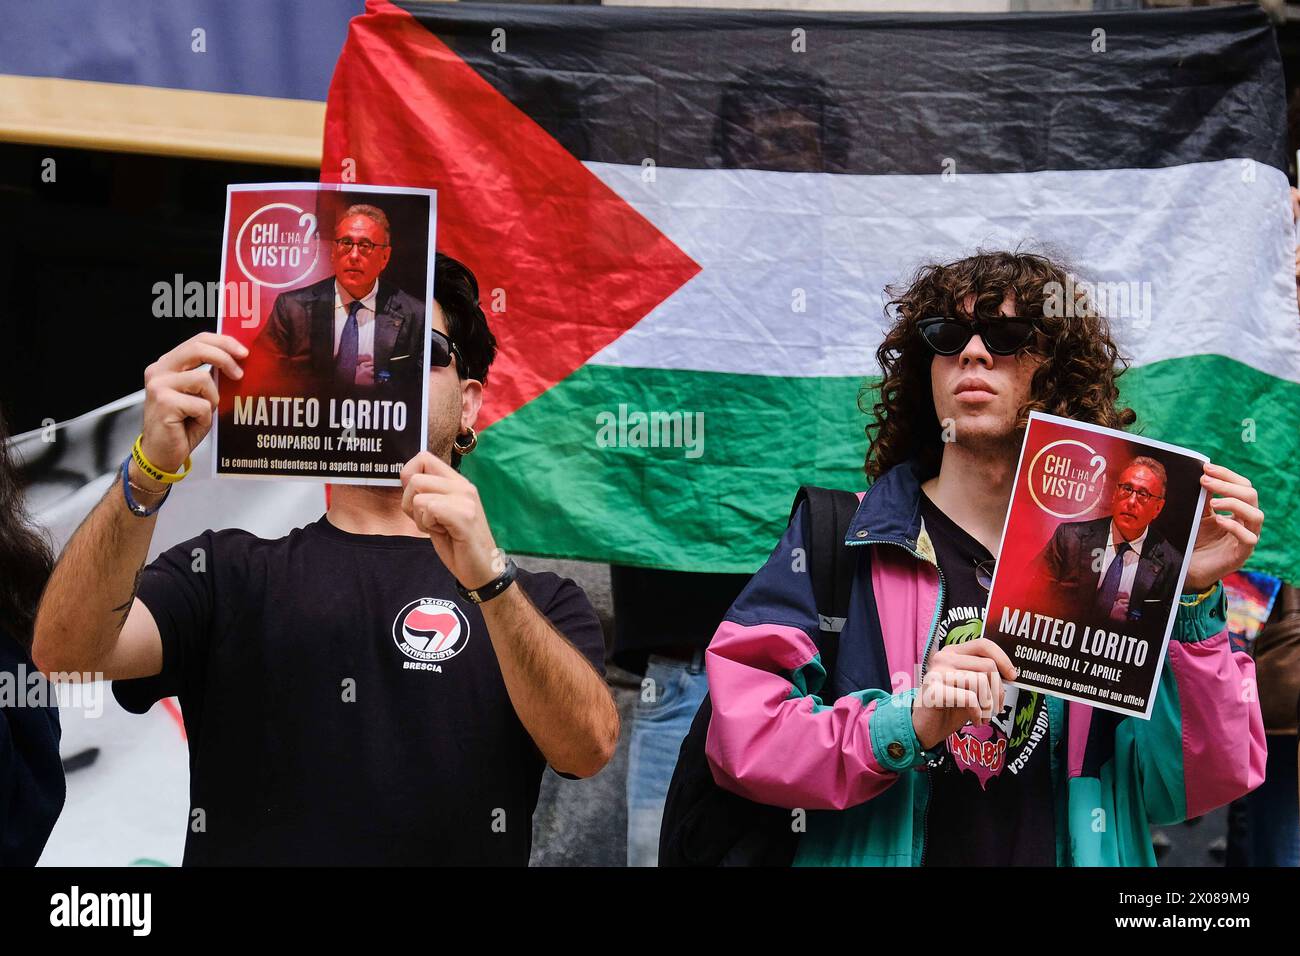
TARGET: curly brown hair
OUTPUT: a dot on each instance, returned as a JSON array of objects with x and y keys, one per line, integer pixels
[{"x": 1077, "y": 380}]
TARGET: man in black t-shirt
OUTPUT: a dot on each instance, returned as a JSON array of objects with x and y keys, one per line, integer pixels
[{"x": 351, "y": 694}]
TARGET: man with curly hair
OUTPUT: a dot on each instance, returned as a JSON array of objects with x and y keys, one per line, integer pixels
[{"x": 912, "y": 750}]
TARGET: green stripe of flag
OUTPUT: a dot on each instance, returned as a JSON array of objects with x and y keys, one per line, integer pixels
[{"x": 697, "y": 508}]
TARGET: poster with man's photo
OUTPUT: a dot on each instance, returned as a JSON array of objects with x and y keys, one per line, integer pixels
[
  {"x": 330, "y": 287},
  {"x": 1093, "y": 557}
]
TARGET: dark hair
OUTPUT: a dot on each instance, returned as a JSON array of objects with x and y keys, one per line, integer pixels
[
  {"x": 1076, "y": 380},
  {"x": 26, "y": 558},
  {"x": 456, "y": 290}
]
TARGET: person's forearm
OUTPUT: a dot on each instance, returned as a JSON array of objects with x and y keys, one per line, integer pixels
[
  {"x": 561, "y": 700},
  {"x": 94, "y": 583}
]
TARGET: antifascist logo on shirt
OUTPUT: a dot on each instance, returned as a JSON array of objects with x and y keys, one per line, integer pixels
[{"x": 431, "y": 629}]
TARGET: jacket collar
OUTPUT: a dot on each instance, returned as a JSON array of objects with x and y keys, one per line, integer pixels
[{"x": 890, "y": 510}]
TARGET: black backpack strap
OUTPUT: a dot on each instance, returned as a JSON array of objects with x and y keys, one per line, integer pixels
[
  {"x": 707, "y": 825},
  {"x": 830, "y": 563}
]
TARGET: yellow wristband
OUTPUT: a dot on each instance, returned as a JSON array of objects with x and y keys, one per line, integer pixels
[
  {"x": 152, "y": 470},
  {"x": 1200, "y": 597}
]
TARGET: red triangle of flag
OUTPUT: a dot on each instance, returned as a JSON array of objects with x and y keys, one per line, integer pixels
[{"x": 578, "y": 266}]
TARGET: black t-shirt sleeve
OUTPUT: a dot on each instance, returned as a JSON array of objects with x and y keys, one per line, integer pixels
[
  {"x": 569, "y": 610},
  {"x": 178, "y": 590}
]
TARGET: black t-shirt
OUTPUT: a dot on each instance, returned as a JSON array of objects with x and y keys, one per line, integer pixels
[
  {"x": 991, "y": 797},
  {"x": 343, "y": 704},
  {"x": 699, "y": 602}
]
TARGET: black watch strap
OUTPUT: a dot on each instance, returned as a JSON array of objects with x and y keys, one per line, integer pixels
[{"x": 494, "y": 587}]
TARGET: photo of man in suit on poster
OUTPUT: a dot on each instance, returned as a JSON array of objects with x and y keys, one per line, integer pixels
[
  {"x": 353, "y": 333},
  {"x": 1113, "y": 569}
]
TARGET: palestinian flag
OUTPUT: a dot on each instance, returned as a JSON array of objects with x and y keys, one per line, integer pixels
[{"x": 683, "y": 222}]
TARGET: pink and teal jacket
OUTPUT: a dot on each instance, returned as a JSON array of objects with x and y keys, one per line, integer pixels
[{"x": 841, "y": 746}]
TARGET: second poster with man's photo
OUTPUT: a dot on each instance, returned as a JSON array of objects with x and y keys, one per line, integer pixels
[{"x": 330, "y": 288}]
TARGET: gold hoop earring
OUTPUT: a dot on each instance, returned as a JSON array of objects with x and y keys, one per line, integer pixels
[{"x": 465, "y": 449}]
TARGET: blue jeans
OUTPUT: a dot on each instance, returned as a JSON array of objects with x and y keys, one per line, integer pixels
[
  {"x": 1273, "y": 818},
  {"x": 670, "y": 695}
]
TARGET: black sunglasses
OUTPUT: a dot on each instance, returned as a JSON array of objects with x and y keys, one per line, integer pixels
[
  {"x": 442, "y": 350},
  {"x": 1004, "y": 335}
]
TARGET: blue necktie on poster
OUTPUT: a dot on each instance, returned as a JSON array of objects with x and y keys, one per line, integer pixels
[
  {"x": 1110, "y": 583},
  {"x": 345, "y": 363}
]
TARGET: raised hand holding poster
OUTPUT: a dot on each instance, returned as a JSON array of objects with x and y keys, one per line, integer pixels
[{"x": 1092, "y": 562}]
